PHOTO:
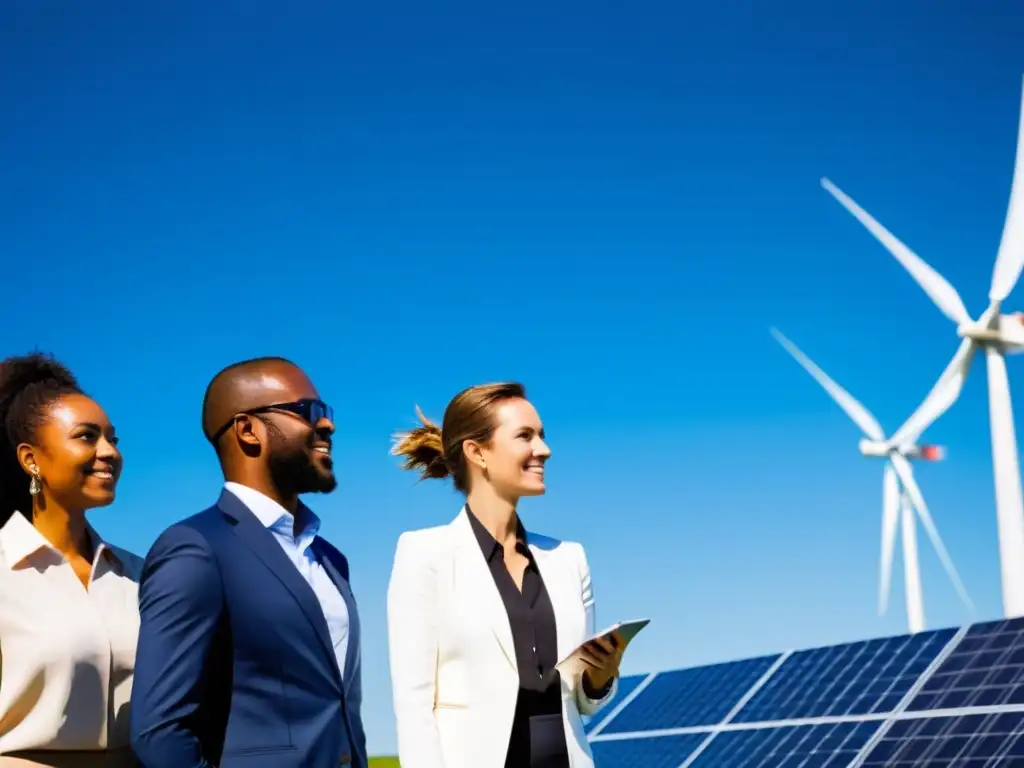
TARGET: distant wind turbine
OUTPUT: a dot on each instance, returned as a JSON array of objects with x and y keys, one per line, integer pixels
[{"x": 901, "y": 496}]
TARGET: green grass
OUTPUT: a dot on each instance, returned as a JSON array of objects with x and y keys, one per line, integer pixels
[{"x": 384, "y": 762}]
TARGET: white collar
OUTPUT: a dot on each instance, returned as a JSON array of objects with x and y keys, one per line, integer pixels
[
  {"x": 268, "y": 511},
  {"x": 19, "y": 539}
]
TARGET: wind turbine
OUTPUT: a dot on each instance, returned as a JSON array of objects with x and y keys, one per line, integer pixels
[
  {"x": 901, "y": 496},
  {"x": 996, "y": 333}
]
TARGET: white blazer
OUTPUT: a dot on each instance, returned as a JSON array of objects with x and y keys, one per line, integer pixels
[{"x": 453, "y": 664}]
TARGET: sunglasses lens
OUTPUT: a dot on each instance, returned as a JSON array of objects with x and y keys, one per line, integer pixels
[{"x": 319, "y": 410}]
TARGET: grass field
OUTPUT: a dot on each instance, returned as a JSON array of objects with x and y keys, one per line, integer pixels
[{"x": 384, "y": 762}]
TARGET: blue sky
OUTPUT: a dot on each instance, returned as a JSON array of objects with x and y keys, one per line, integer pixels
[{"x": 609, "y": 205}]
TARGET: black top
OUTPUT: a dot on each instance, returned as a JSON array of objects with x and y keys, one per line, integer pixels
[
  {"x": 538, "y": 736},
  {"x": 537, "y": 739},
  {"x": 532, "y": 619}
]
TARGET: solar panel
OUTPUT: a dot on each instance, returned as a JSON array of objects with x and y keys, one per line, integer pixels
[
  {"x": 949, "y": 698},
  {"x": 971, "y": 741},
  {"x": 986, "y": 668},
  {"x": 829, "y": 744},
  {"x": 710, "y": 694},
  {"x": 652, "y": 752},
  {"x": 852, "y": 679},
  {"x": 627, "y": 684}
]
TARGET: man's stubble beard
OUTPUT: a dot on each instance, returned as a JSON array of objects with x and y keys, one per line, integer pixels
[{"x": 292, "y": 468}]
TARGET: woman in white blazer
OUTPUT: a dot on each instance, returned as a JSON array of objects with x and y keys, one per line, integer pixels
[{"x": 480, "y": 610}]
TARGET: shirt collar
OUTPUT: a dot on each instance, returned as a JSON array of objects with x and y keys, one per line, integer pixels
[
  {"x": 19, "y": 540},
  {"x": 271, "y": 514},
  {"x": 490, "y": 546}
]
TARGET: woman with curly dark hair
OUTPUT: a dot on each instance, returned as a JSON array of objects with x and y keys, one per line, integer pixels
[{"x": 68, "y": 600}]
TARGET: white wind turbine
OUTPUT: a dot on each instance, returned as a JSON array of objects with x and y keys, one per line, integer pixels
[
  {"x": 901, "y": 496},
  {"x": 997, "y": 334}
]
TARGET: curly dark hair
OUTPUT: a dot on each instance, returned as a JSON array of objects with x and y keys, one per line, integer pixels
[{"x": 29, "y": 384}]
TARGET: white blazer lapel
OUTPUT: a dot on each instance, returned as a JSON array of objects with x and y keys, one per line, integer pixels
[
  {"x": 563, "y": 591},
  {"x": 480, "y": 586}
]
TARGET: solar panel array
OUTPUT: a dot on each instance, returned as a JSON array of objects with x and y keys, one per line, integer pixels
[{"x": 943, "y": 698}]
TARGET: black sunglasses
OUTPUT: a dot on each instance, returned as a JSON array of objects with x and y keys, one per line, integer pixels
[{"x": 312, "y": 411}]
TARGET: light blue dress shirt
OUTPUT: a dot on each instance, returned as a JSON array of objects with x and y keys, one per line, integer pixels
[{"x": 280, "y": 522}]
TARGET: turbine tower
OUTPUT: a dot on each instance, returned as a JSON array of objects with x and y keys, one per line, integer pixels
[
  {"x": 997, "y": 334},
  {"x": 901, "y": 496}
]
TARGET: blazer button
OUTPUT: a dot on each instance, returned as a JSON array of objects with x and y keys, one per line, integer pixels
[{"x": 345, "y": 760}]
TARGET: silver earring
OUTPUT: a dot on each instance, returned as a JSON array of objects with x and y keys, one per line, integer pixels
[{"x": 35, "y": 486}]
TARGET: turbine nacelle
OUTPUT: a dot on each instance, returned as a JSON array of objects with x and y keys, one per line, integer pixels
[
  {"x": 882, "y": 450},
  {"x": 924, "y": 452},
  {"x": 1007, "y": 331}
]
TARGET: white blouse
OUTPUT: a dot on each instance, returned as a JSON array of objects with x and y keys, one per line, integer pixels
[{"x": 67, "y": 652}]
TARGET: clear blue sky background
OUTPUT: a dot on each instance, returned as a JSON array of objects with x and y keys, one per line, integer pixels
[{"x": 609, "y": 203}]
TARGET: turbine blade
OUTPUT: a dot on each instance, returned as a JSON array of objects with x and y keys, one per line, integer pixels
[
  {"x": 861, "y": 416},
  {"x": 890, "y": 508},
  {"x": 914, "y": 492},
  {"x": 1011, "y": 248},
  {"x": 945, "y": 392},
  {"x": 935, "y": 285}
]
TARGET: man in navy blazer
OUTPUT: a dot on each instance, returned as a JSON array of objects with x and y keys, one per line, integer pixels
[{"x": 248, "y": 649}]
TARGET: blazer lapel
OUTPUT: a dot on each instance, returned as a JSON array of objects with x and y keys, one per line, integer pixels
[
  {"x": 479, "y": 582},
  {"x": 352, "y": 652},
  {"x": 564, "y": 601},
  {"x": 258, "y": 539}
]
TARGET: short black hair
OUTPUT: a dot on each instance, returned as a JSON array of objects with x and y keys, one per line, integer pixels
[{"x": 29, "y": 384}]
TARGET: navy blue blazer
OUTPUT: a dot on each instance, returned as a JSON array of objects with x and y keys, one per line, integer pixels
[{"x": 235, "y": 665}]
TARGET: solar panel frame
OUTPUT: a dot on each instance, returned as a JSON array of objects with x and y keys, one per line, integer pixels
[
  {"x": 629, "y": 685},
  {"x": 985, "y": 669},
  {"x": 829, "y": 744},
  {"x": 971, "y": 740},
  {"x": 652, "y": 752},
  {"x": 877, "y": 722},
  {"x": 860, "y": 678},
  {"x": 979, "y": 735},
  {"x": 658, "y": 696}
]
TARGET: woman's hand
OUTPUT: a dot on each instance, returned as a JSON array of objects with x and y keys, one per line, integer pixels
[{"x": 602, "y": 657}]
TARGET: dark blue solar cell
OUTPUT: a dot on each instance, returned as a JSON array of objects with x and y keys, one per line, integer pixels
[
  {"x": 862, "y": 678},
  {"x": 690, "y": 697},
  {"x": 828, "y": 745},
  {"x": 626, "y": 686},
  {"x": 655, "y": 752},
  {"x": 964, "y": 741},
  {"x": 986, "y": 668}
]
